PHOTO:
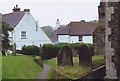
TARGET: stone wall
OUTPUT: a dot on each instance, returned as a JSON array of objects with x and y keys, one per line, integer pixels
[
  {"x": 98, "y": 73},
  {"x": 112, "y": 39},
  {"x": 107, "y": 36},
  {"x": 99, "y": 33}
]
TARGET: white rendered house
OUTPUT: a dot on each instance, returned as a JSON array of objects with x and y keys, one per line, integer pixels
[
  {"x": 76, "y": 32},
  {"x": 26, "y": 31}
]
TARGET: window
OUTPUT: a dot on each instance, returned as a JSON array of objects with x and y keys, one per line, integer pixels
[
  {"x": 80, "y": 38},
  {"x": 23, "y": 34},
  {"x": 36, "y": 26}
]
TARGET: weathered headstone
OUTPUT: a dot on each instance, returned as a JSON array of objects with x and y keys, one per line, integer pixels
[
  {"x": 14, "y": 49},
  {"x": 64, "y": 56},
  {"x": 85, "y": 56}
]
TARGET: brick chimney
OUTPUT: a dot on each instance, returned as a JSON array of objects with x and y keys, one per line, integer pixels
[
  {"x": 16, "y": 9},
  {"x": 26, "y": 10}
]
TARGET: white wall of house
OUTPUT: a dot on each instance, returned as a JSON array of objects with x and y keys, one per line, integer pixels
[
  {"x": 64, "y": 38},
  {"x": 33, "y": 37},
  {"x": 88, "y": 39},
  {"x": 74, "y": 39}
]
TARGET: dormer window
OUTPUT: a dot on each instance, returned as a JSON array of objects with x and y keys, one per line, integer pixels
[{"x": 23, "y": 35}]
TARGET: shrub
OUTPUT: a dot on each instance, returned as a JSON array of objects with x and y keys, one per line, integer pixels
[
  {"x": 76, "y": 45},
  {"x": 39, "y": 61},
  {"x": 30, "y": 50},
  {"x": 72, "y": 45},
  {"x": 11, "y": 47},
  {"x": 91, "y": 47},
  {"x": 51, "y": 51}
]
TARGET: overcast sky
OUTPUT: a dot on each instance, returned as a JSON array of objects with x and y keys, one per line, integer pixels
[{"x": 48, "y": 11}]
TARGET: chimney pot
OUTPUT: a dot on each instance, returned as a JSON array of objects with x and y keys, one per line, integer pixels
[
  {"x": 16, "y": 6},
  {"x": 15, "y": 9},
  {"x": 26, "y": 10}
]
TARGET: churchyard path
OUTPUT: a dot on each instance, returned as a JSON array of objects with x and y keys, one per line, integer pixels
[{"x": 44, "y": 73}]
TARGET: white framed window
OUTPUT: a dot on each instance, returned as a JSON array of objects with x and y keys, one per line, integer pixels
[{"x": 23, "y": 35}]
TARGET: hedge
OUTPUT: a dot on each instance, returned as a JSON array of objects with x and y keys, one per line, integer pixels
[
  {"x": 51, "y": 51},
  {"x": 31, "y": 50}
]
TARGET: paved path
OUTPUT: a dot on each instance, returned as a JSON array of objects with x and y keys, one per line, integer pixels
[{"x": 44, "y": 73}]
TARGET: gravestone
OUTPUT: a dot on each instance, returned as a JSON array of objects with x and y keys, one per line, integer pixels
[
  {"x": 85, "y": 56},
  {"x": 64, "y": 56},
  {"x": 14, "y": 49},
  {"x": 112, "y": 39}
]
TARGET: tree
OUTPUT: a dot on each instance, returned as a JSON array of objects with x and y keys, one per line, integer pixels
[
  {"x": 82, "y": 21},
  {"x": 93, "y": 21},
  {"x": 5, "y": 39},
  {"x": 48, "y": 30}
]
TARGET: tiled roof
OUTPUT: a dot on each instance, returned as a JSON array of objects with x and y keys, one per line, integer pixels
[
  {"x": 75, "y": 28},
  {"x": 78, "y": 28},
  {"x": 13, "y": 18},
  {"x": 58, "y": 30},
  {"x": 54, "y": 37}
]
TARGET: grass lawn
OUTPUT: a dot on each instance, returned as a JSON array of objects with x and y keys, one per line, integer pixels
[
  {"x": 97, "y": 60},
  {"x": 19, "y": 67},
  {"x": 52, "y": 62},
  {"x": 71, "y": 72}
]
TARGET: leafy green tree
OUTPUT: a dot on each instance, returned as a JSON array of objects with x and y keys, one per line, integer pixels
[
  {"x": 48, "y": 30},
  {"x": 5, "y": 39},
  {"x": 93, "y": 21},
  {"x": 82, "y": 21}
]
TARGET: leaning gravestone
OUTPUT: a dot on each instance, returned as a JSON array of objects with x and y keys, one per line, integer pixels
[
  {"x": 65, "y": 56},
  {"x": 85, "y": 56},
  {"x": 14, "y": 49}
]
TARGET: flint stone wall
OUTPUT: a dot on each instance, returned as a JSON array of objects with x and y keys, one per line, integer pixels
[
  {"x": 112, "y": 40},
  {"x": 99, "y": 33}
]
